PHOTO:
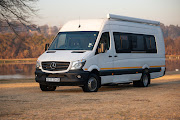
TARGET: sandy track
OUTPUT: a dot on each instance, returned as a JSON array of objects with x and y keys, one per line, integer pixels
[{"x": 159, "y": 101}]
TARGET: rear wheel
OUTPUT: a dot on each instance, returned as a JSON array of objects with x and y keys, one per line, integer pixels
[
  {"x": 92, "y": 84},
  {"x": 47, "y": 87},
  {"x": 143, "y": 82}
]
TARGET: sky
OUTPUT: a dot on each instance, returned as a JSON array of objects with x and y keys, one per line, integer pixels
[{"x": 58, "y": 12}]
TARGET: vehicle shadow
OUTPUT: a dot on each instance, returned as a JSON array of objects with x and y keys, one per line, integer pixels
[
  {"x": 69, "y": 90},
  {"x": 116, "y": 87},
  {"x": 102, "y": 89}
]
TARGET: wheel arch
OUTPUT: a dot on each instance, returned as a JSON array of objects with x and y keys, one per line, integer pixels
[{"x": 93, "y": 67}]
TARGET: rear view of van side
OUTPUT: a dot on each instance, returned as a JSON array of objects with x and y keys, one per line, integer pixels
[{"x": 96, "y": 52}]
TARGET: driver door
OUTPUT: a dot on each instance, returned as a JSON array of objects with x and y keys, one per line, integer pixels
[{"x": 105, "y": 60}]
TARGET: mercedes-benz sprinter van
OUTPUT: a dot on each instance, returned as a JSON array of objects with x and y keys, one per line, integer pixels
[{"x": 92, "y": 53}]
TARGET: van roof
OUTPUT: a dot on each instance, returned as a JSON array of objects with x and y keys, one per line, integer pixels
[
  {"x": 97, "y": 24},
  {"x": 83, "y": 25}
]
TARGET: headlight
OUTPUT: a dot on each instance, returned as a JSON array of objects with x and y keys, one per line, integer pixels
[
  {"x": 78, "y": 64},
  {"x": 38, "y": 64}
]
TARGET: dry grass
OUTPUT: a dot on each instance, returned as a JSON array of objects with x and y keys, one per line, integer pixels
[{"x": 161, "y": 100}]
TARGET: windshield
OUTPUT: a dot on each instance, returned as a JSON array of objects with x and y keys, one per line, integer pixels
[{"x": 74, "y": 41}]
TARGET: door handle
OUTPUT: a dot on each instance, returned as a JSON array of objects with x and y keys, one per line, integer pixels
[
  {"x": 110, "y": 56},
  {"x": 115, "y": 56}
]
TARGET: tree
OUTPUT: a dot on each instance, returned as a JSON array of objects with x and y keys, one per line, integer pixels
[{"x": 16, "y": 10}]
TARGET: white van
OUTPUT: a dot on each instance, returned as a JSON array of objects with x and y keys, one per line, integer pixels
[{"x": 92, "y": 53}]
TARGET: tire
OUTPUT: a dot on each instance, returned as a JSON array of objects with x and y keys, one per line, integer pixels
[
  {"x": 47, "y": 87},
  {"x": 92, "y": 84},
  {"x": 143, "y": 82}
]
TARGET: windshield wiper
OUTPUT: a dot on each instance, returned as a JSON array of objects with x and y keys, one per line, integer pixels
[
  {"x": 78, "y": 51},
  {"x": 59, "y": 49}
]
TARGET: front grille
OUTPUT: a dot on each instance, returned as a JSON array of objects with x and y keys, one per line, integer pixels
[{"x": 55, "y": 66}]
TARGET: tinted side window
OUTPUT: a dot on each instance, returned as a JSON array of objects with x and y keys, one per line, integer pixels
[
  {"x": 150, "y": 44},
  {"x": 105, "y": 39},
  {"x": 137, "y": 43},
  {"x": 122, "y": 43}
]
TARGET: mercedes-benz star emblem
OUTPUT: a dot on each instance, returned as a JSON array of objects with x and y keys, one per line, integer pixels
[{"x": 53, "y": 65}]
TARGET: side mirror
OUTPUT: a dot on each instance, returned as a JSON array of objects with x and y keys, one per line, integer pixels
[
  {"x": 46, "y": 46},
  {"x": 102, "y": 48}
]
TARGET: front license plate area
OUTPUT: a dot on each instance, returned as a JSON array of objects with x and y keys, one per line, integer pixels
[{"x": 53, "y": 79}]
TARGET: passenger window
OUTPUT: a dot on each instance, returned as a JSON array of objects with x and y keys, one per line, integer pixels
[
  {"x": 105, "y": 39},
  {"x": 134, "y": 43},
  {"x": 137, "y": 43},
  {"x": 151, "y": 44},
  {"x": 122, "y": 43}
]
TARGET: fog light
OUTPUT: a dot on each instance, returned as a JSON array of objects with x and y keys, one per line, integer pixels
[{"x": 78, "y": 76}]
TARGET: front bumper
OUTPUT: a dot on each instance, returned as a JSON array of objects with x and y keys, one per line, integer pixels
[{"x": 67, "y": 79}]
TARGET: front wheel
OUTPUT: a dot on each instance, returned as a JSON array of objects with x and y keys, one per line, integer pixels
[
  {"x": 47, "y": 87},
  {"x": 92, "y": 84}
]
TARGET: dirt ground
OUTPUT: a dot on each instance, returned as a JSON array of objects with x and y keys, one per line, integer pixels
[{"x": 159, "y": 101}]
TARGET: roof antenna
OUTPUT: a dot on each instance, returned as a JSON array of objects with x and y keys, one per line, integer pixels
[{"x": 79, "y": 23}]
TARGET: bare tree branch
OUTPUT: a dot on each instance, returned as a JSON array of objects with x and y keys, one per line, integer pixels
[
  {"x": 17, "y": 10},
  {"x": 9, "y": 24}
]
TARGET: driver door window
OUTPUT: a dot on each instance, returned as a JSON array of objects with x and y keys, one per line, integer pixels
[{"x": 105, "y": 38}]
